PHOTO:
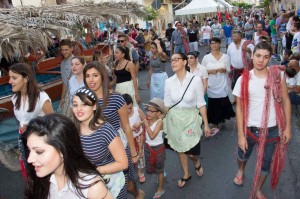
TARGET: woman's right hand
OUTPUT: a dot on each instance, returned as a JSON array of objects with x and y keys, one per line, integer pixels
[{"x": 242, "y": 142}]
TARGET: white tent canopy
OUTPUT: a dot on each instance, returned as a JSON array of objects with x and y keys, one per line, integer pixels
[
  {"x": 226, "y": 4},
  {"x": 203, "y": 6}
]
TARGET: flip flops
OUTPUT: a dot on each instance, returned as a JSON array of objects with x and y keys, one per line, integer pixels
[
  {"x": 142, "y": 179},
  {"x": 214, "y": 131},
  {"x": 238, "y": 181},
  {"x": 183, "y": 182},
  {"x": 158, "y": 194},
  {"x": 199, "y": 170}
]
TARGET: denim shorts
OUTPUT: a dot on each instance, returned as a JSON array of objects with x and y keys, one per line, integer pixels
[
  {"x": 206, "y": 41},
  {"x": 274, "y": 39},
  {"x": 269, "y": 148},
  {"x": 228, "y": 40}
]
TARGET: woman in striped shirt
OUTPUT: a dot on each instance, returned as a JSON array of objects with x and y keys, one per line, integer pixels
[
  {"x": 100, "y": 141},
  {"x": 114, "y": 108}
]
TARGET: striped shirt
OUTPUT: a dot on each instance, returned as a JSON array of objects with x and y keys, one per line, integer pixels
[
  {"x": 115, "y": 102},
  {"x": 95, "y": 146}
]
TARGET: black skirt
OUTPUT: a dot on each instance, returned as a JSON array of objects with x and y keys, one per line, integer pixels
[
  {"x": 196, "y": 150},
  {"x": 219, "y": 110}
]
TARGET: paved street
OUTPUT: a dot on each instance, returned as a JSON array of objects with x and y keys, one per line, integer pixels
[{"x": 218, "y": 160}]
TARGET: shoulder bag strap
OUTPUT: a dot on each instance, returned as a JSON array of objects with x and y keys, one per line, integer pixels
[{"x": 183, "y": 93}]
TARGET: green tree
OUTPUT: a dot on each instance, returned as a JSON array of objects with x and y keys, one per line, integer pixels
[
  {"x": 151, "y": 13},
  {"x": 242, "y": 5}
]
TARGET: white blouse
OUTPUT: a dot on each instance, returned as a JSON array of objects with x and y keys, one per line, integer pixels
[
  {"x": 217, "y": 84},
  {"x": 69, "y": 190},
  {"x": 194, "y": 96},
  {"x": 23, "y": 116},
  {"x": 200, "y": 71}
]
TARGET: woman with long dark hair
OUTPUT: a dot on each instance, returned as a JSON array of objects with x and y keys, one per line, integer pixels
[
  {"x": 184, "y": 98},
  {"x": 157, "y": 71},
  {"x": 57, "y": 166},
  {"x": 125, "y": 75},
  {"x": 100, "y": 141},
  {"x": 29, "y": 100},
  {"x": 114, "y": 108}
]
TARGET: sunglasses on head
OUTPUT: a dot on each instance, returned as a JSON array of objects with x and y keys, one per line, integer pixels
[{"x": 121, "y": 41}]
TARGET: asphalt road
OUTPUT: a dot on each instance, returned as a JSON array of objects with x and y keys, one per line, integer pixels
[{"x": 218, "y": 160}]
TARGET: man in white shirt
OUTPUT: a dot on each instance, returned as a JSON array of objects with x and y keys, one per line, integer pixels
[
  {"x": 206, "y": 33},
  {"x": 234, "y": 53},
  {"x": 294, "y": 92},
  {"x": 263, "y": 116}
]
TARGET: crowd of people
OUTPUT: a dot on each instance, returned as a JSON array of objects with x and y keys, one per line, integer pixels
[{"x": 89, "y": 150}]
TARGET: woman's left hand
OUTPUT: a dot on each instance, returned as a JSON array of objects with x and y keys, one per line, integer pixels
[
  {"x": 138, "y": 99},
  {"x": 206, "y": 131}
]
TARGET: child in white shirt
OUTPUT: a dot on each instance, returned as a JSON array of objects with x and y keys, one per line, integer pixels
[
  {"x": 136, "y": 117},
  {"x": 155, "y": 152}
]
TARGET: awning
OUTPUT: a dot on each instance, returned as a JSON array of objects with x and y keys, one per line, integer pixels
[
  {"x": 226, "y": 5},
  {"x": 200, "y": 6}
]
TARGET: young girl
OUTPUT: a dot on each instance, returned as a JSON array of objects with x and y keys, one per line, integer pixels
[
  {"x": 57, "y": 166},
  {"x": 136, "y": 117},
  {"x": 155, "y": 153},
  {"x": 100, "y": 141}
]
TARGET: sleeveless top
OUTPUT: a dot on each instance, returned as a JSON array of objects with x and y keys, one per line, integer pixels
[
  {"x": 157, "y": 65},
  {"x": 159, "y": 137},
  {"x": 123, "y": 75},
  {"x": 135, "y": 118}
]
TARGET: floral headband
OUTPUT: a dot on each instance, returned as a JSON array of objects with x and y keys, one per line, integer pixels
[{"x": 86, "y": 91}]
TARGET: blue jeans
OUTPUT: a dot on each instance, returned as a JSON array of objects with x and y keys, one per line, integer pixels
[
  {"x": 295, "y": 98},
  {"x": 269, "y": 148},
  {"x": 179, "y": 49},
  {"x": 248, "y": 37}
]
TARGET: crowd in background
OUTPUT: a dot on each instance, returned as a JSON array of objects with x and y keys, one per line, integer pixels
[{"x": 103, "y": 101}]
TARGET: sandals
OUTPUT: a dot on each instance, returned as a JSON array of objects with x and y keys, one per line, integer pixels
[
  {"x": 199, "y": 170},
  {"x": 142, "y": 179},
  {"x": 214, "y": 131},
  {"x": 184, "y": 181},
  {"x": 238, "y": 181},
  {"x": 262, "y": 197},
  {"x": 158, "y": 194}
]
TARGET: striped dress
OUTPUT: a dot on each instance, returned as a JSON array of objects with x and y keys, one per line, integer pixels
[
  {"x": 95, "y": 147},
  {"x": 115, "y": 102}
]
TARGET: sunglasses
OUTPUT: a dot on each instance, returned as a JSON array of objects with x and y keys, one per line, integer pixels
[{"x": 121, "y": 41}]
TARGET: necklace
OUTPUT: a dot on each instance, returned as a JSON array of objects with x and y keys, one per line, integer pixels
[{"x": 119, "y": 65}]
